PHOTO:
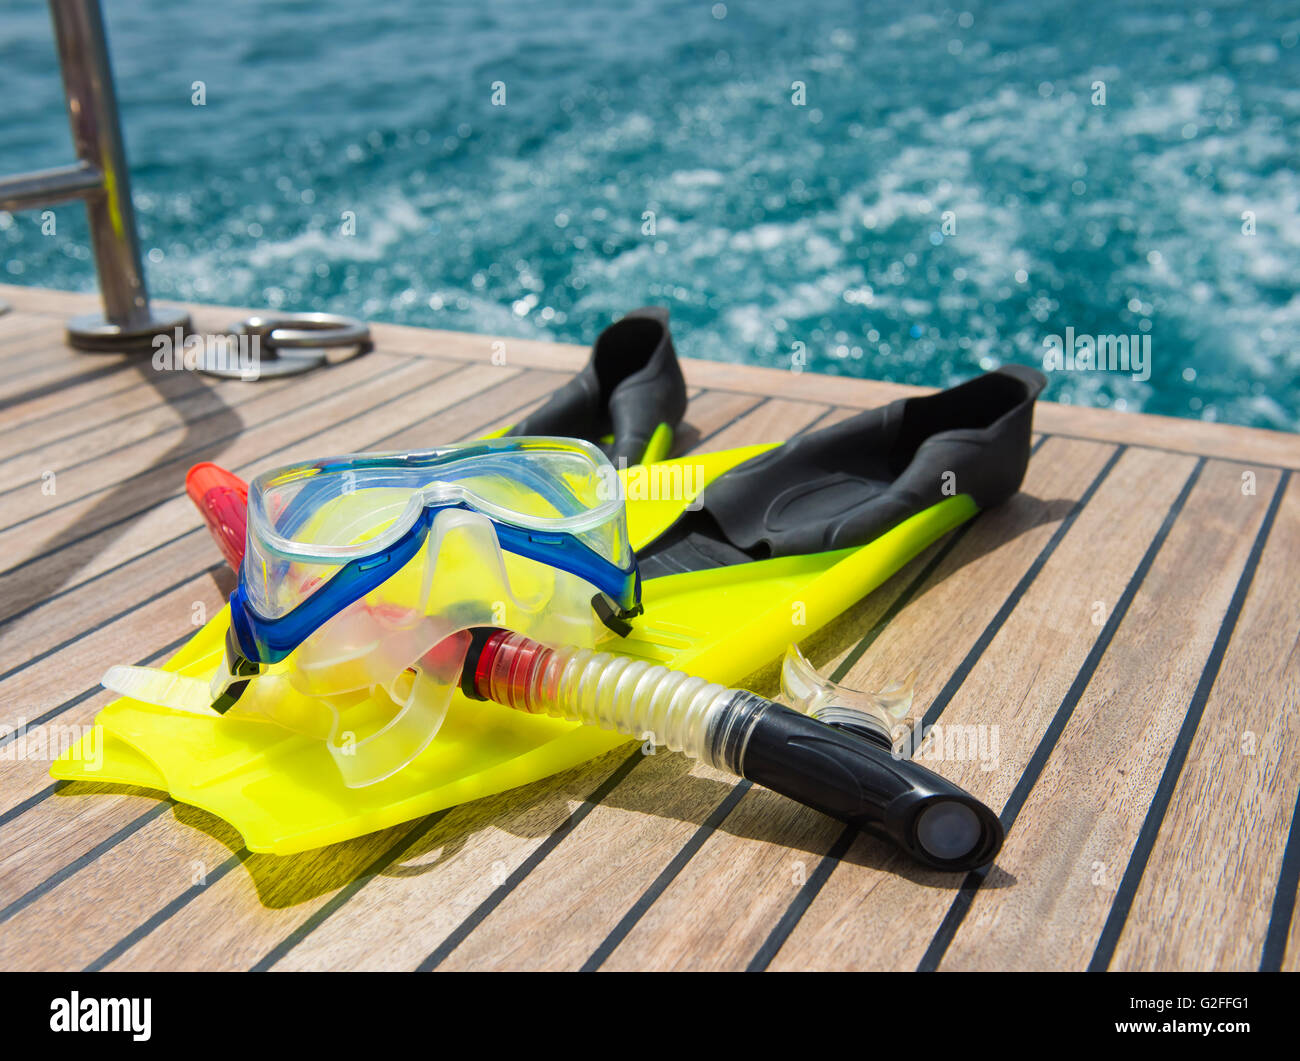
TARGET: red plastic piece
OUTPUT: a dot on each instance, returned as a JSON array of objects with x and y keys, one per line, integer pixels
[
  {"x": 505, "y": 667},
  {"x": 222, "y": 497}
]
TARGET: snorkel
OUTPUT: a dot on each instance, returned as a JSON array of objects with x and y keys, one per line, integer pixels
[
  {"x": 839, "y": 758},
  {"x": 503, "y": 570}
]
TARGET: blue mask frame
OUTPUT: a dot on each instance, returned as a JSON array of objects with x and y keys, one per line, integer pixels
[{"x": 270, "y": 640}]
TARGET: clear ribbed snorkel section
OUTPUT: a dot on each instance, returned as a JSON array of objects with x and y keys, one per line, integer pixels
[
  {"x": 644, "y": 700},
  {"x": 850, "y": 774}
]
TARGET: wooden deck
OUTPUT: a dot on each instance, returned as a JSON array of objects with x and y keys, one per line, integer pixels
[{"x": 1128, "y": 627}]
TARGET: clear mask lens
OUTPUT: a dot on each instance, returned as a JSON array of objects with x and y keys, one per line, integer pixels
[{"x": 307, "y": 521}]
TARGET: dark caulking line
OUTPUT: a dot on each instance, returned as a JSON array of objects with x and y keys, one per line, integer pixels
[
  {"x": 1246, "y": 462},
  {"x": 184, "y": 899},
  {"x": 34, "y": 451},
  {"x": 160, "y": 379},
  {"x": 19, "y": 809},
  {"x": 35, "y": 338},
  {"x": 22, "y": 326},
  {"x": 660, "y": 884},
  {"x": 31, "y": 363},
  {"x": 184, "y": 395},
  {"x": 336, "y": 902},
  {"x": 95, "y": 578},
  {"x": 734, "y": 420},
  {"x": 1137, "y": 862},
  {"x": 28, "y": 426},
  {"x": 181, "y": 457},
  {"x": 473, "y": 432},
  {"x": 79, "y": 863},
  {"x": 41, "y": 390},
  {"x": 189, "y": 453},
  {"x": 25, "y": 353},
  {"x": 814, "y": 884},
  {"x": 196, "y": 530},
  {"x": 766, "y": 954},
  {"x": 814, "y": 421},
  {"x": 901, "y": 601},
  {"x": 461, "y": 932},
  {"x": 106, "y": 622},
  {"x": 965, "y": 896},
  {"x": 28, "y": 350},
  {"x": 81, "y": 697},
  {"x": 737, "y": 419},
  {"x": 151, "y": 437},
  {"x": 995, "y": 624},
  {"x": 1279, "y": 921},
  {"x": 34, "y": 425}
]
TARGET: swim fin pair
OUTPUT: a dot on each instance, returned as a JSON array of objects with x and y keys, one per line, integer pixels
[{"x": 742, "y": 552}]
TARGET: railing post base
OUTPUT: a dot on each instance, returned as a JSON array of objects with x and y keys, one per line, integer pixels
[{"x": 94, "y": 331}]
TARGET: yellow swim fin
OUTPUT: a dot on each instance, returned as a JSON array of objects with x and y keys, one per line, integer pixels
[{"x": 783, "y": 540}]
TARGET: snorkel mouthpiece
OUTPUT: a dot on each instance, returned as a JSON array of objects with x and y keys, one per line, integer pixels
[{"x": 848, "y": 773}]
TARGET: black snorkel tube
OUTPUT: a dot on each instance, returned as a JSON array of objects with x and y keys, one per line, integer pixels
[
  {"x": 853, "y": 774},
  {"x": 846, "y": 769}
]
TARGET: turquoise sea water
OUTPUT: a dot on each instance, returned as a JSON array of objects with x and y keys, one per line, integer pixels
[{"x": 901, "y": 190}]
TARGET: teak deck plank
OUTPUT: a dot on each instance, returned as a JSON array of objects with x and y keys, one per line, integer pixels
[
  {"x": 110, "y": 535},
  {"x": 94, "y": 495},
  {"x": 151, "y": 427},
  {"x": 1219, "y": 849},
  {"x": 993, "y": 587},
  {"x": 1049, "y": 899},
  {"x": 1127, "y": 625}
]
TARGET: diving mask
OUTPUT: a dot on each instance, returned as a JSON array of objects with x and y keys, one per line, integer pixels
[{"x": 364, "y": 575}]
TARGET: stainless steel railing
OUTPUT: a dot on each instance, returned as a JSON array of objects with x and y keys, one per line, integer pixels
[
  {"x": 283, "y": 344},
  {"x": 101, "y": 180}
]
